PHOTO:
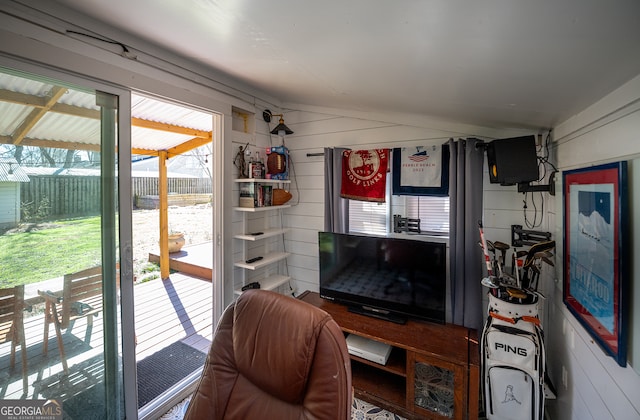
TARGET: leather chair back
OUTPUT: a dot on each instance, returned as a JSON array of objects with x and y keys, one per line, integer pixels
[{"x": 274, "y": 357}]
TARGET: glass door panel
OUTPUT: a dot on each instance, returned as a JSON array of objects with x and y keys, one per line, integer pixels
[
  {"x": 438, "y": 387},
  {"x": 172, "y": 246},
  {"x": 58, "y": 246}
]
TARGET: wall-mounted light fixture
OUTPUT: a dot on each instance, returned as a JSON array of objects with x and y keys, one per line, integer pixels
[{"x": 280, "y": 129}]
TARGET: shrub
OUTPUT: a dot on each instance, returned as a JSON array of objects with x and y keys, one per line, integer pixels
[{"x": 32, "y": 213}]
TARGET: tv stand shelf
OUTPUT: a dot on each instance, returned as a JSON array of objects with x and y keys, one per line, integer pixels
[{"x": 448, "y": 352}]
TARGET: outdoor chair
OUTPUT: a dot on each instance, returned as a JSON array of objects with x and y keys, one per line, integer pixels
[
  {"x": 12, "y": 327},
  {"x": 274, "y": 357},
  {"x": 81, "y": 297}
]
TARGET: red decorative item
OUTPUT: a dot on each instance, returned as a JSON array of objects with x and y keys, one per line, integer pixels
[{"x": 364, "y": 174}]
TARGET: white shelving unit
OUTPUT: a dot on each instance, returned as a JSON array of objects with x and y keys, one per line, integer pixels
[{"x": 265, "y": 244}]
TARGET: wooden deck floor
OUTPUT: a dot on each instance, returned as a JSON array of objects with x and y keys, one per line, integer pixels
[
  {"x": 166, "y": 311},
  {"x": 196, "y": 260}
]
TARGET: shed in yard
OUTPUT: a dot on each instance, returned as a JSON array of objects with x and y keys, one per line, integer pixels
[{"x": 11, "y": 175}]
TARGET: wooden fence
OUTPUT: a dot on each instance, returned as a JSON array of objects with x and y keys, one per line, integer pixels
[
  {"x": 46, "y": 196},
  {"x": 149, "y": 186}
]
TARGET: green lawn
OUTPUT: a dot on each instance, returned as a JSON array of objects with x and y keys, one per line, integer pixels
[{"x": 48, "y": 250}]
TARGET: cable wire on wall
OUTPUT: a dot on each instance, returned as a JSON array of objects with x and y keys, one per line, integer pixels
[{"x": 543, "y": 162}]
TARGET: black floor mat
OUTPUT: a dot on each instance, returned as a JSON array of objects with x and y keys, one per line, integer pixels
[{"x": 165, "y": 368}]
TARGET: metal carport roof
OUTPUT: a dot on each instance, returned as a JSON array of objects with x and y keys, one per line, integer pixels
[{"x": 36, "y": 112}]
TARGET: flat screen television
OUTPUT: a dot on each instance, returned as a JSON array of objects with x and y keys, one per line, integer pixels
[{"x": 385, "y": 277}]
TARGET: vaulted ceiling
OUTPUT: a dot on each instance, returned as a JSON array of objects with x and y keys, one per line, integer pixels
[{"x": 505, "y": 63}]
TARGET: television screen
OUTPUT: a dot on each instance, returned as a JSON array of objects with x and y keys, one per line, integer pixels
[{"x": 385, "y": 277}]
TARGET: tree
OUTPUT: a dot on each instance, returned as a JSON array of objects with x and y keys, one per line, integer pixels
[
  {"x": 17, "y": 154},
  {"x": 68, "y": 160},
  {"x": 46, "y": 156}
]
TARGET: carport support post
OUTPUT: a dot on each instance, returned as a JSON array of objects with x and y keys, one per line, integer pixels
[{"x": 163, "y": 188}]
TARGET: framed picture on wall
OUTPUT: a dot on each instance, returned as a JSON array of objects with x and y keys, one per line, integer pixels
[{"x": 596, "y": 249}]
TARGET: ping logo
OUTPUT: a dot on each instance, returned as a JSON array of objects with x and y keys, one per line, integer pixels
[{"x": 511, "y": 349}]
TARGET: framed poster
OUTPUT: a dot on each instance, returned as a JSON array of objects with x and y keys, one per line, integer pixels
[{"x": 596, "y": 248}]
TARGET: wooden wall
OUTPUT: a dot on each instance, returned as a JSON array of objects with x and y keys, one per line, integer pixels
[
  {"x": 53, "y": 196},
  {"x": 315, "y": 129},
  {"x": 59, "y": 196},
  {"x": 9, "y": 204},
  {"x": 149, "y": 186},
  {"x": 590, "y": 384},
  {"x": 595, "y": 386}
]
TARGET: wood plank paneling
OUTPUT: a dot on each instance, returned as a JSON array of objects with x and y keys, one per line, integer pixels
[
  {"x": 306, "y": 208},
  {"x": 596, "y": 386},
  {"x": 305, "y": 222},
  {"x": 316, "y": 130},
  {"x": 9, "y": 193},
  {"x": 80, "y": 195}
]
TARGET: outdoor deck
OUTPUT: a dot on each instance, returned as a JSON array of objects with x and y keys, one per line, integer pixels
[
  {"x": 176, "y": 310},
  {"x": 196, "y": 260}
]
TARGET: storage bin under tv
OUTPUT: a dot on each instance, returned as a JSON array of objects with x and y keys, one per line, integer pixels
[{"x": 432, "y": 372}]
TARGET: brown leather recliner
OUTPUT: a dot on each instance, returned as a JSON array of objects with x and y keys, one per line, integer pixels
[{"x": 274, "y": 357}]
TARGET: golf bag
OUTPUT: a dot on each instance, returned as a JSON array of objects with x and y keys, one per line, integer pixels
[{"x": 513, "y": 358}]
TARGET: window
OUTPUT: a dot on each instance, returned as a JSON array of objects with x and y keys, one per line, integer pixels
[
  {"x": 433, "y": 213},
  {"x": 375, "y": 218},
  {"x": 368, "y": 217}
]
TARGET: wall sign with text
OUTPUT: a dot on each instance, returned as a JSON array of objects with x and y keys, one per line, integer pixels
[{"x": 596, "y": 247}]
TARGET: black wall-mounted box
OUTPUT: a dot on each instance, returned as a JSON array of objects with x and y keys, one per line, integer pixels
[{"x": 512, "y": 161}]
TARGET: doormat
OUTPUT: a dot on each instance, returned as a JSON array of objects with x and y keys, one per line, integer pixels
[{"x": 165, "y": 368}]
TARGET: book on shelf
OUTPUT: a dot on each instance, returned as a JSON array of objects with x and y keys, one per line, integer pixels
[
  {"x": 267, "y": 194},
  {"x": 246, "y": 195},
  {"x": 255, "y": 195}
]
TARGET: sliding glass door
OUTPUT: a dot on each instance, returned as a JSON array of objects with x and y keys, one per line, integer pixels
[
  {"x": 61, "y": 239},
  {"x": 172, "y": 186}
]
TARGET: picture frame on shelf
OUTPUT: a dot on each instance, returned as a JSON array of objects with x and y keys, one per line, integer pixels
[{"x": 596, "y": 253}]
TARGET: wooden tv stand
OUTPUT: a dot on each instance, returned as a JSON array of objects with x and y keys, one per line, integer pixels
[{"x": 432, "y": 372}]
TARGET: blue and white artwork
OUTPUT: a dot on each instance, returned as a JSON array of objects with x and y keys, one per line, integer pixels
[{"x": 592, "y": 247}]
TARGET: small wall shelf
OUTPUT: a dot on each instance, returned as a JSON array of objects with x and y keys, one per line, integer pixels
[
  {"x": 265, "y": 208},
  {"x": 270, "y": 283},
  {"x": 267, "y": 233},
  {"x": 265, "y": 261},
  {"x": 268, "y": 243},
  {"x": 264, "y": 180}
]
